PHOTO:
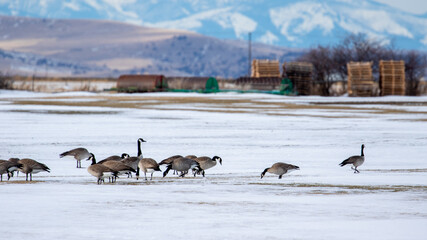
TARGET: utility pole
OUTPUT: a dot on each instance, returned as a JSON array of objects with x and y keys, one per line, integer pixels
[
  {"x": 34, "y": 78},
  {"x": 249, "y": 53}
]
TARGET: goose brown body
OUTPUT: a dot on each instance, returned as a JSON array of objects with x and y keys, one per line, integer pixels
[
  {"x": 78, "y": 154},
  {"x": 182, "y": 165},
  {"x": 8, "y": 167},
  {"x": 30, "y": 166},
  {"x": 114, "y": 158},
  {"x": 279, "y": 168},
  {"x": 356, "y": 161},
  {"x": 148, "y": 165},
  {"x": 100, "y": 171},
  {"x": 207, "y": 162}
]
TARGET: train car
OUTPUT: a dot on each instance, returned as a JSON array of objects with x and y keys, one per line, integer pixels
[{"x": 141, "y": 83}]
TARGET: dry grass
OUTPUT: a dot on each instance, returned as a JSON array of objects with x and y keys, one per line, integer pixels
[{"x": 212, "y": 103}]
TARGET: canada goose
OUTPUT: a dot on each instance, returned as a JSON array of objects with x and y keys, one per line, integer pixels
[
  {"x": 182, "y": 165},
  {"x": 14, "y": 169},
  {"x": 147, "y": 165},
  {"x": 119, "y": 167},
  {"x": 8, "y": 167},
  {"x": 355, "y": 160},
  {"x": 133, "y": 161},
  {"x": 100, "y": 171},
  {"x": 31, "y": 166},
  {"x": 78, "y": 154},
  {"x": 279, "y": 168},
  {"x": 206, "y": 163},
  {"x": 170, "y": 160},
  {"x": 115, "y": 158}
]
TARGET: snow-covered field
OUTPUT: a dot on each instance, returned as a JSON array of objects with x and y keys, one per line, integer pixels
[{"x": 387, "y": 200}]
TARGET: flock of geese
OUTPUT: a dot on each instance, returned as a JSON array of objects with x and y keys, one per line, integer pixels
[{"x": 114, "y": 166}]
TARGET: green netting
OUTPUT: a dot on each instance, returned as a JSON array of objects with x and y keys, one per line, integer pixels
[
  {"x": 212, "y": 85},
  {"x": 286, "y": 87}
]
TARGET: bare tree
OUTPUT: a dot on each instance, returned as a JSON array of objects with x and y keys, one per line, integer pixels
[
  {"x": 331, "y": 62},
  {"x": 4, "y": 83},
  {"x": 415, "y": 69},
  {"x": 323, "y": 68}
]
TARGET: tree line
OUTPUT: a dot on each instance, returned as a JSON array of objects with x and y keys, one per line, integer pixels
[{"x": 330, "y": 62}]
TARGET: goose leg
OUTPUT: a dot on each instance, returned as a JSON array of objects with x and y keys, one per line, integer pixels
[
  {"x": 31, "y": 176},
  {"x": 167, "y": 170},
  {"x": 26, "y": 177},
  {"x": 280, "y": 176},
  {"x": 203, "y": 173},
  {"x": 151, "y": 178},
  {"x": 355, "y": 170},
  {"x": 145, "y": 175},
  {"x": 1, "y": 178}
]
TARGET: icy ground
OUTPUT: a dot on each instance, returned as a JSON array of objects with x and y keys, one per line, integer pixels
[{"x": 387, "y": 200}]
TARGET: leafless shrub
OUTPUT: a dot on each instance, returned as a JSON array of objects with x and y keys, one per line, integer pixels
[
  {"x": 4, "y": 82},
  {"x": 330, "y": 62}
]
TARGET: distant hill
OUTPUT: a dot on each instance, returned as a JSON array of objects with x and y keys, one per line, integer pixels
[
  {"x": 290, "y": 23},
  {"x": 98, "y": 48}
]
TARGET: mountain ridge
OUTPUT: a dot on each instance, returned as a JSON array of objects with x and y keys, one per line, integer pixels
[
  {"x": 108, "y": 48},
  {"x": 290, "y": 23}
]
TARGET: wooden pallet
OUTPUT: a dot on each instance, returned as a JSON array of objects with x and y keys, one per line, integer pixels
[
  {"x": 392, "y": 77},
  {"x": 360, "y": 80},
  {"x": 265, "y": 68}
]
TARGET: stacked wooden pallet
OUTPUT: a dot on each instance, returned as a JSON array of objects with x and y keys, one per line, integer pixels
[
  {"x": 300, "y": 75},
  {"x": 392, "y": 77},
  {"x": 265, "y": 68},
  {"x": 360, "y": 79}
]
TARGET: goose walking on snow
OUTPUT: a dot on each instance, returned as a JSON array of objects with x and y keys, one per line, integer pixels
[
  {"x": 12, "y": 170},
  {"x": 206, "y": 163},
  {"x": 355, "y": 160},
  {"x": 8, "y": 167},
  {"x": 169, "y": 160},
  {"x": 133, "y": 161},
  {"x": 147, "y": 165},
  {"x": 279, "y": 168},
  {"x": 182, "y": 165},
  {"x": 100, "y": 171},
  {"x": 118, "y": 167},
  {"x": 30, "y": 166},
  {"x": 115, "y": 158},
  {"x": 78, "y": 153}
]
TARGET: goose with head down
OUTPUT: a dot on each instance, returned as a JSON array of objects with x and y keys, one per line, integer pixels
[{"x": 279, "y": 168}]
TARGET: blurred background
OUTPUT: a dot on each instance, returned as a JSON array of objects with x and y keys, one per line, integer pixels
[{"x": 110, "y": 38}]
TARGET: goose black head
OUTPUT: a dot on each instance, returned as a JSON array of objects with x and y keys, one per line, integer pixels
[
  {"x": 216, "y": 158},
  {"x": 92, "y": 158},
  {"x": 125, "y": 155},
  {"x": 141, "y": 140}
]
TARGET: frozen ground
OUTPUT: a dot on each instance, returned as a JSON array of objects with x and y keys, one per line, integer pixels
[{"x": 387, "y": 200}]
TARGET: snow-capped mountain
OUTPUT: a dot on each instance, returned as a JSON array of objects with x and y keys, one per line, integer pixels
[{"x": 279, "y": 22}]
